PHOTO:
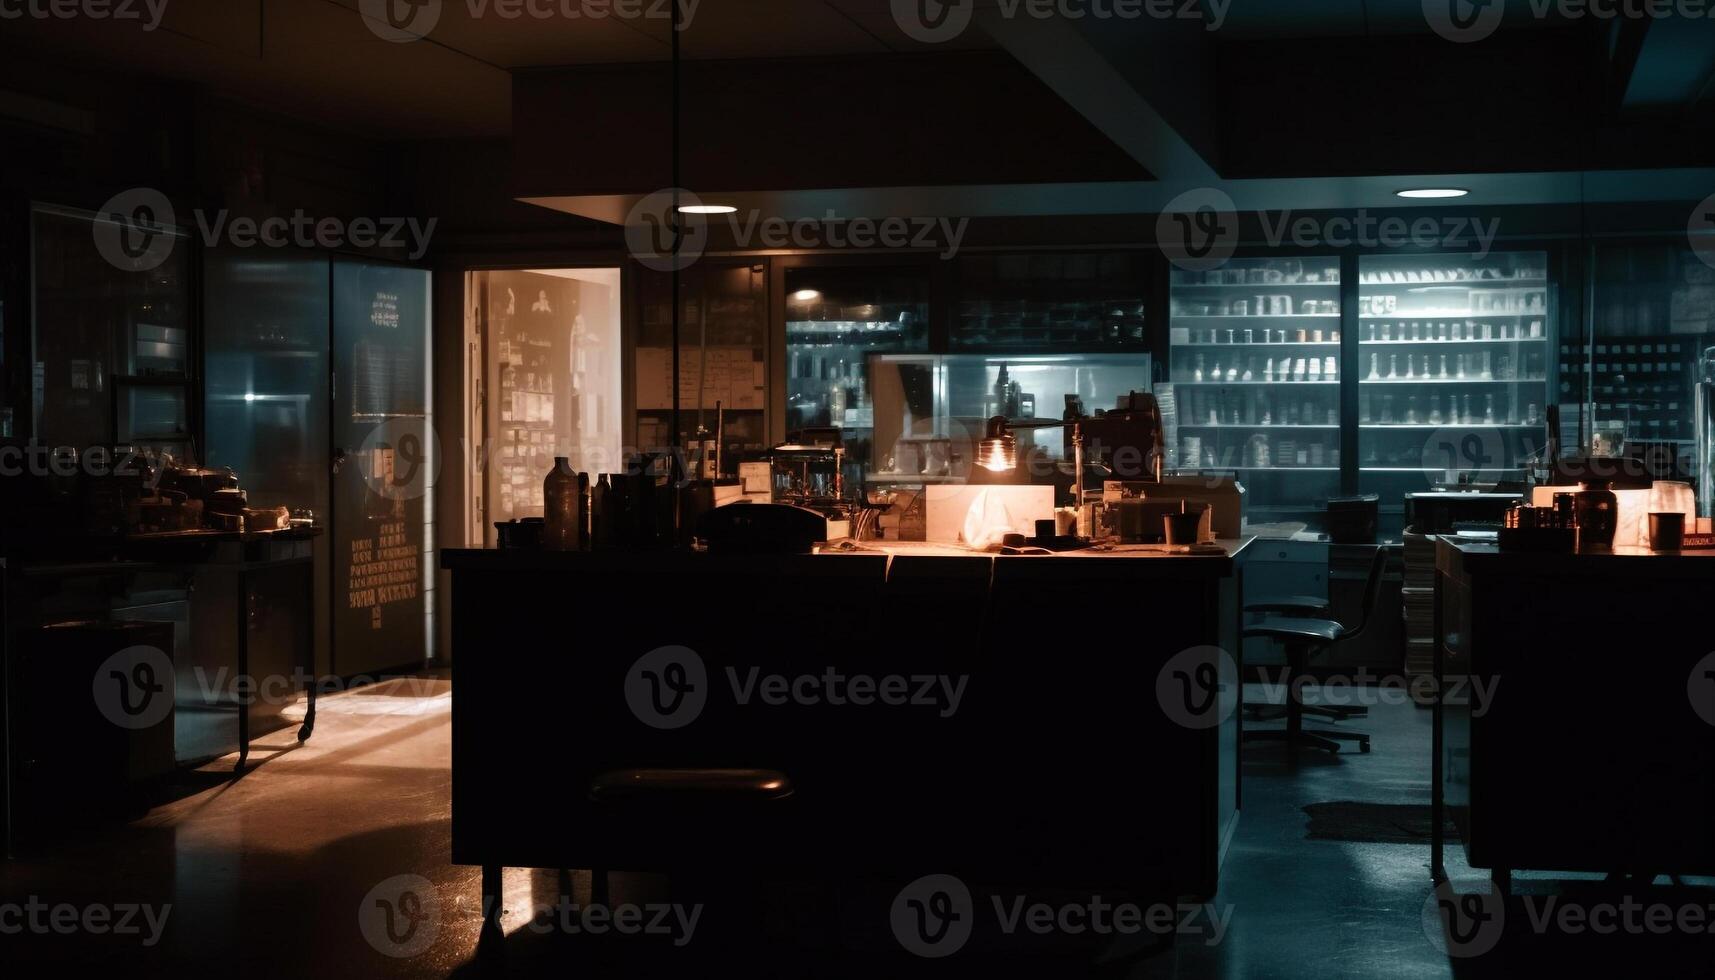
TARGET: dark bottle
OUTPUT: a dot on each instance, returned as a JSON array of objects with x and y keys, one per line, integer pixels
[
  {"x": 585, "y": 538},
  {"x": 601, "y": 512},
  {"x": 1597, "y": 513},
  {"x": 562, "y": 515},
  {"x": 616, "y": 513},
  {"x": 641, "y": 498}
]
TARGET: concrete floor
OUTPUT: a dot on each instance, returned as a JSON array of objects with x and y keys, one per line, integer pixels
[{"x": 299, "y": 869}]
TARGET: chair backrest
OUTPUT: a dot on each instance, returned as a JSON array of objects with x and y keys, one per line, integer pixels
[{"x": 1372, "y": 590}]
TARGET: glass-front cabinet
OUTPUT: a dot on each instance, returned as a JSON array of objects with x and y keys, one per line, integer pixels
[
  {"x": 112, "y": 353},
  {"x": 1256, "y": 372},
  {"x": 930, "y": 410},
  {"x": 1651, "y": 343},
  {"x": 722, "y": 363},
  {"x": 836, "y": 318},
  {"x": 1051, "y": 302},
  {"x": 1454, "y": 355}
]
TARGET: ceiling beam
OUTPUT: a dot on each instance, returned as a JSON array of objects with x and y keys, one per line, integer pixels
[
  {"x": 1070, "y": 60},
  {"x": 1488, "y": 191}
]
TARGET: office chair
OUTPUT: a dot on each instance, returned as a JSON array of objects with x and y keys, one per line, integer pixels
[
  {"x": 1304, "y": 637},
  {"x": 1300, "y": 607}
]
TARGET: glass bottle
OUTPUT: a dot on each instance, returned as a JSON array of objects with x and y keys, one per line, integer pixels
[
  {"x": 601, "y": 514},
  {"x": 561, "y": 512},
  {"x": 584, "y": 532}
]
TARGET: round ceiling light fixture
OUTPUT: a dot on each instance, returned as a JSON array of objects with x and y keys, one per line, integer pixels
[{"x": 1432, "y": 193}]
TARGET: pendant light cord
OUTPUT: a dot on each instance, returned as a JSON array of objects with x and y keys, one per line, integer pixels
[{"x": 678, "y": 240}]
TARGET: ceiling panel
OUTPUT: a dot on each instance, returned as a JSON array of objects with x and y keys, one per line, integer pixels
[
  {"x": 1287, "y": 19},
  {"x": 502, "y": 33},
  {"x": 768, "y": 29},
  {"x": 313, "y": 59}
]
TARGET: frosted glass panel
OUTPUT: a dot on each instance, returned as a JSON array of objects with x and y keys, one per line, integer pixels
[{"x": 552, "y": 369}]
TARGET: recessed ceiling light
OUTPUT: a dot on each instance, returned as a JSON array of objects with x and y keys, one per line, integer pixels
[
  {"x": 706, "y": 209},
  {"x": 1433, "y": 193},
  {"x": 807, "y": 295}
]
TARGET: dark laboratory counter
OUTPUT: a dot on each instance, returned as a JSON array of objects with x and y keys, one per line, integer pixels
[
  {"x": 220, "y": 605},
  {"x": 1053, "y": 718},
  {"x": 1578, "y": 728}
]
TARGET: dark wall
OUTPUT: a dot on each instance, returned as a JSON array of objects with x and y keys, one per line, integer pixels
[
  {"x": 904, "y": 120},
  {"x": 1518, "y": 102},
  {"x": 467, "y": 186}
]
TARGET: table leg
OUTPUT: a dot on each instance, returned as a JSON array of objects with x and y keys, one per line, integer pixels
[
  {"x": 491, "y": 892},
  {"x": 309, "y": 647},
  {"x": 1437, "y": 868},
  {"x": 243, "y": 648}
]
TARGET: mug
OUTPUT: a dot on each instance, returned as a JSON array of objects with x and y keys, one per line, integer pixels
[
  {"x": 1666, "y": 531},
  {"x": 1182, "y": 528}
]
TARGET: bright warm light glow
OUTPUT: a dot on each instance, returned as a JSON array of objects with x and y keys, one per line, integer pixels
[
  {"x": 250, "y": 396},
  {"x": 998, "y": 455},
  {"x": 1432, "y": 193},
  {"x": 706, "y": 209},
  {"x": 807, "y": 295}
]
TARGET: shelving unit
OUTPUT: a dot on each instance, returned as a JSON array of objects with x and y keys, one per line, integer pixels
[
  {"x": 835, "y": 320},
  {"x": 723, "y": 357},
  {"x": 1652, "y": 318},
  {"x": 1051, "y": 302},
  {"x": 1255, "y": 369},
  {"x": 1453, "y": 368}
]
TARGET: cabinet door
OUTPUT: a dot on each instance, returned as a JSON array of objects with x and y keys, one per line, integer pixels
[
  {"x": 1453, "y": 369},
  {"x": 1060, "y": 301},
  {"x": 382, "y": 490},
  {"x": 265, "y": 353},
  {"x": 1256, "y": 380},
  {"x": 723, "y": 359}
]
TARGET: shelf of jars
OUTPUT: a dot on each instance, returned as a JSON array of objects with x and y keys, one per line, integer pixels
[
  {"x": 1453, "y": 368},
  {"x": 1296, "y": 273},
  {"x": 1259, "y": 425},
  {"x": 1256, "y": 369}
]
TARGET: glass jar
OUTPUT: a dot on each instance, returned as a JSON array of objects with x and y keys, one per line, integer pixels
[{"x": 1596, "y": 511}]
